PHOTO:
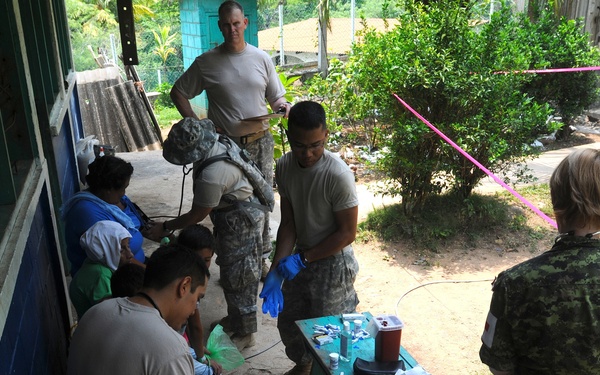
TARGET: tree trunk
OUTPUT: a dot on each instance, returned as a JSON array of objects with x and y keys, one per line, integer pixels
[{"x": 323, "y": 62}]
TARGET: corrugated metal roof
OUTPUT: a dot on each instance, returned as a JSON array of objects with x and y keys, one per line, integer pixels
[{"x": 113, "y": 111}]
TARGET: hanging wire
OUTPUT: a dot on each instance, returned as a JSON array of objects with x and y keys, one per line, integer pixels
[{"x": 186, "y": 171}]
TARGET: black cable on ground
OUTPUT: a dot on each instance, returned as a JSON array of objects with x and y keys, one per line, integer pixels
[
  {"x": 262, "y": 351},
  {"x": 438, "y": 282}
]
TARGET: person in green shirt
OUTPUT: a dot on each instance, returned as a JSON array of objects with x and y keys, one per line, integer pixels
[{"x": 106, "y": 245}]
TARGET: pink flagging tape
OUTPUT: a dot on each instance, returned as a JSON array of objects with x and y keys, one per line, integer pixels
[
  {"x": 479, "y": 165},
  {"x": 554, "y": 70}
]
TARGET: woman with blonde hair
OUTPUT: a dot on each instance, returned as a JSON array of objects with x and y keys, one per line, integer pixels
[{"x": 544, "y": 316}]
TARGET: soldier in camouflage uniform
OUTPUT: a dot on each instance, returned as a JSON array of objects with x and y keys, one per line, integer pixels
[
  {"x": 239, "y": 80},
  {"x": 319, "y": 210},
  {"x": 222, "y": 191},
  {"x": 544, "y": 314}
]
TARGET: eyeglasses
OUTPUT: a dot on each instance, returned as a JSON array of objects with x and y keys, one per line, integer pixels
[{"x": 312, "y": 147}]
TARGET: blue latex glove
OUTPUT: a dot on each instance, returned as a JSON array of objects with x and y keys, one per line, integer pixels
[
  {"x": 290, "y": 266},
  {"x": 271, "y": 294}
]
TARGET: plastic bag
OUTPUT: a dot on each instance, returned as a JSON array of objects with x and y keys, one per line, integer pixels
[{"x": 223, "y": 350}]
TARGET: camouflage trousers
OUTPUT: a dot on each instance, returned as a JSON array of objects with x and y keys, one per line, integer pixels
[
  {"x": 325, "y": 287},
  {"x": 238, "y": 233},
  {"x": 261, "y": 152}
]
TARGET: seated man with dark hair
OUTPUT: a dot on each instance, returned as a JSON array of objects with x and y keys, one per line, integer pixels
[{"x": 137, "y": 335}]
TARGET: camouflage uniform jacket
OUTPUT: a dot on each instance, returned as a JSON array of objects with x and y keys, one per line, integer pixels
[{"x": 545, "y": 313}]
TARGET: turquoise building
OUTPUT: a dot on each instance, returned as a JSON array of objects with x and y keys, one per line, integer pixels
[{"x": 200, "y": 32}]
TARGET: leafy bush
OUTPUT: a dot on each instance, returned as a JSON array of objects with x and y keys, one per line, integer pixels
[
  {"x": 346, "y": 104},
  {"x": 447, "y": 217},
  {"x": 448, "y": 71},
  {"x": 164, "y": 97},
  {"x": 559, "y": 43},
  {"x": 476, "y": 215}
]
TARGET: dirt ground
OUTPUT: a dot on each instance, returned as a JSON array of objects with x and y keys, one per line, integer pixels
[{"x": 443, "y": 320}]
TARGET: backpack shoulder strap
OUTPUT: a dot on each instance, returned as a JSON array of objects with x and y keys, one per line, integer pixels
[{"x": 213, "y": 159}]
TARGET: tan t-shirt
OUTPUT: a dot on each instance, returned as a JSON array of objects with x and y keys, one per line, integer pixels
[
  {"x": 236, "y": 85},
  {"x": 315, "y": 194},
  {"x": 218, "y": 179}
]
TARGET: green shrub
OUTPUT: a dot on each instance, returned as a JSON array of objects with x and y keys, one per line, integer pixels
[
  {"x": 447, "y": 217},
  {"x": 164, "y": 98},
  {"x": 448, "y": 71},
  {"x": 560, "y": 43}
]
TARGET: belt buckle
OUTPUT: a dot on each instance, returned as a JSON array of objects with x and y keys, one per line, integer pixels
[{"x": 244, "y": 139}]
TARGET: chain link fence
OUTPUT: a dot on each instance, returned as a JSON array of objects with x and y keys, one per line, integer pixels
[{"x": 154, "y": 78}]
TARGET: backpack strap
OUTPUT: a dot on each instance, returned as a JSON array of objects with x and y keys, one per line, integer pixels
[
  {"x": 232, "y": 158},
  {"x": 209, "y": 161}
]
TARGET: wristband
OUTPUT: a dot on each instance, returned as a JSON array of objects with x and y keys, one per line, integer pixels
[{"x": 303, "y": 258}]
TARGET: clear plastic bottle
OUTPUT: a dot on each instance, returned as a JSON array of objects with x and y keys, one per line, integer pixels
[{"x": 346, "y": 343}]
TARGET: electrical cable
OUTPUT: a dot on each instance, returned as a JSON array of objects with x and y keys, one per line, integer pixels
[
  {"x": 438, "y": 282},
  {"x": 262, "y": 351},
  {"x": 185, "y": 173},
  {"x": 183, "y": 186}
]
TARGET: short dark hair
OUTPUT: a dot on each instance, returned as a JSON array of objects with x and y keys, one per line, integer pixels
[
  {"x": 171, "y": 262},
  {"x": 228, "y": 6},
  {"x": 195, "y": 237},
  {"x": 127, "y": 280},
  {"x": 108, "y": 172},
  {"x": 307, "y": 115}
]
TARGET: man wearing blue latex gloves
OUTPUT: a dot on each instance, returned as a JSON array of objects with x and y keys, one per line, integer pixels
[
  {"x": 319, "y": 213},
  {"x": 291, "y": 265},
  {"x": 272, "y": 295}
]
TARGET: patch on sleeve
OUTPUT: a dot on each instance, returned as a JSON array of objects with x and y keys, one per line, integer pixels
[{"x": 490, "y": 329}]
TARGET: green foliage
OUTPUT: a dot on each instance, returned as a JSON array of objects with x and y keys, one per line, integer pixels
[
  {"x": 279, "y": 126},
  {"x": 538, "y": 194},
  {"x": 164, "y": 98},
  {"x": 447, "y": 217},
  {"x": 560, "y": 43},
  {"x": 442, "y": 218},
  {"x": 346, "y": 103},
  {"x": 164, "y": 43},
  {"x": 91, "y": 23},
  {"x": 446, "y": 70},
  {"x": 166, "y": 116},
  {"x": 299, "y": 10}
]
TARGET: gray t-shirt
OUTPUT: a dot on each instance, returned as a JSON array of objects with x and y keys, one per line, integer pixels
[
  {"x": 118, "y": 336},
  {"x": 315, "y": 194},
  {"x": 218, "y": 179},
  {"x": 236, "y": 85}
]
